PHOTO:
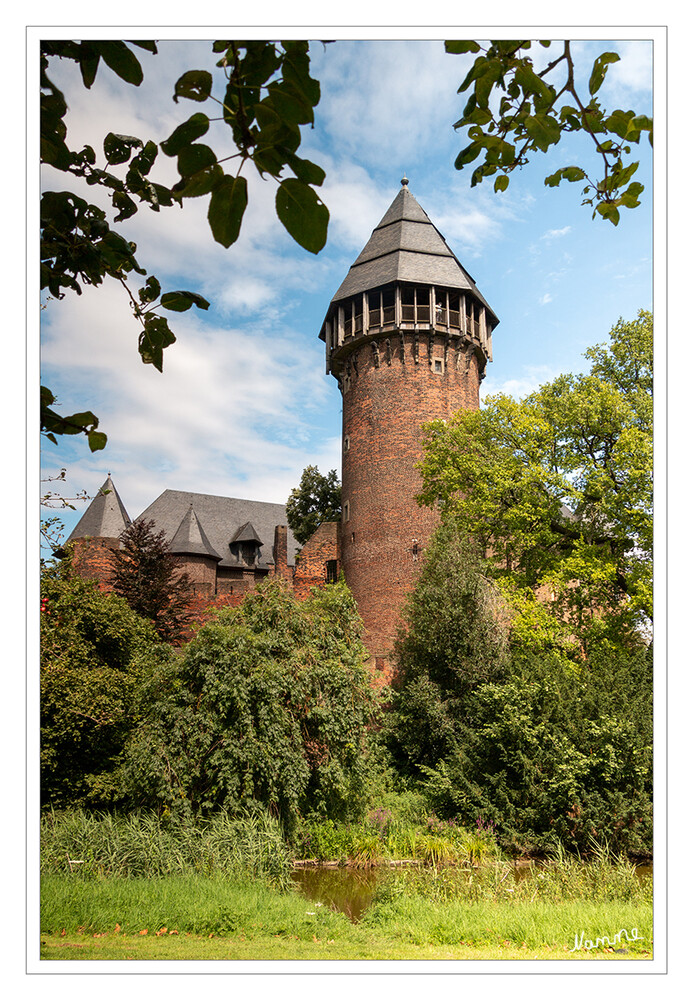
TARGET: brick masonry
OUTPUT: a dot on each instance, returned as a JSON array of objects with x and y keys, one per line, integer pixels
[{"x": 384, "y": 531}]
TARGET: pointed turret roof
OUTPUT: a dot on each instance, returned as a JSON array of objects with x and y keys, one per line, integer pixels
[
  {"x": 105, "y": 517},
  {"x": 405, "y": 246},
  {"x": 190, "y": 538}
]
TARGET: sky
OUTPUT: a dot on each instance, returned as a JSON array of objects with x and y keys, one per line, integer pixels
[{"x": 244, "y": 404}]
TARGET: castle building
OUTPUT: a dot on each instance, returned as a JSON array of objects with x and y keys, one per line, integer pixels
[
  {"x": 225, "y": 545},
  {"x": 407, "y": 336}
]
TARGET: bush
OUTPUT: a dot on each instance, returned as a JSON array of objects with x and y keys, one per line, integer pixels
[
  {"x": 268, "y": 704},
  {"x": 93, "y": 648}
]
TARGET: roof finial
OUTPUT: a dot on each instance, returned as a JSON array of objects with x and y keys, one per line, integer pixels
[{"x": 405, "y": 181}]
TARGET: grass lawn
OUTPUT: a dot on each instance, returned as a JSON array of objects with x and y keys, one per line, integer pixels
[{"x": 197, "y": 918}]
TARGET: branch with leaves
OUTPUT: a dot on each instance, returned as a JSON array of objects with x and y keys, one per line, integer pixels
[
  {"x": 532, "y": 115},
  {"x": 269, "y": 94}
]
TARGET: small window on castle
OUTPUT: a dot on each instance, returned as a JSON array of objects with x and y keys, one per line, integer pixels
[
  {"x": 437, "y": 365},
  {"x": 346, "y": 511},
  {"x": 331, "y": 571},
  {"x": 388, "y": 305},
  {"x": 347, "y": 444},
  {"x": 358, "y": 314}
]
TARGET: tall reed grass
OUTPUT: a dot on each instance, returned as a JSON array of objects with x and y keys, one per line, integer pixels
[{"x": 88, "y": 845}]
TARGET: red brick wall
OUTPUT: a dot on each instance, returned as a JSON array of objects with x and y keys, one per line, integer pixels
[
  {"x": 91, "y": 559},
  {"x": 384, "y": 407},
  {"x": 311, "y": 568}
]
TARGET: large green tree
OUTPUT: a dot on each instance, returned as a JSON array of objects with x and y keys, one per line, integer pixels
[
  {"x": 496, "y": 723},
  {"x": 557, "y": 488},
  {"x": 317, "y": 498}
]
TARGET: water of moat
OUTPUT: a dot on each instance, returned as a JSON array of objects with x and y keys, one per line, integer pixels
[{"x": 351, "y": 890}]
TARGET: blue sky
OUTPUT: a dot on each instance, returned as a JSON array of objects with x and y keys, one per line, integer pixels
[{"x": 243, "y": 404}]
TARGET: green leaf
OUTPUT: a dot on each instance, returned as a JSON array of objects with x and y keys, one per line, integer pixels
[
  {"x": 118, "y": 148},
  {"x": 196, "y": 126},
  {"x": 155, "y": 337},
  {"x": 468, "y": 154},
  {"x": 302, "y": 214},
  {"x": 194, "y": 158},
  {"x": 200, "y": 183},
  {"x": 195, "y": 85},
  {"x": 182, "y": 301},
  {"x": 501, "y": 182},
  {"x": 97, "y": 440},
  {"x": 226, "y": 207},
  {"x": 121, "y": 60},
  {"x": 543, "y": 130},
  {"x": 305, "y": 170},
  {"x": 151, "y": 290},
  {"x": 458, "y": 48},
  {"x": 601, "y": 64}
]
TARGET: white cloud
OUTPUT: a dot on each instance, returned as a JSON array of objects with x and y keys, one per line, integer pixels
[
  {"x": 554, "y": 234},
  {"x": 545, "y": 299},
  {"x": 528, "y": 381}
]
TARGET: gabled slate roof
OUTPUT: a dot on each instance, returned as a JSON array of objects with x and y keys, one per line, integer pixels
[
  {"x": 105, "y": 517},
  {"x": 405, "y": 246},
  {"x": 190, "y": 539},
  {"x": 220, "y": 519}
]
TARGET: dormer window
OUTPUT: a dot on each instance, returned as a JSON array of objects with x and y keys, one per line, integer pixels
[{"x": 246, "y": 544}]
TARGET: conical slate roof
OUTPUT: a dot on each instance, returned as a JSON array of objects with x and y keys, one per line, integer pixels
[
  {"x": 405, "y": 246},
  {"x": 105, "y": 517},
  {"x": 190, "y": 538}
]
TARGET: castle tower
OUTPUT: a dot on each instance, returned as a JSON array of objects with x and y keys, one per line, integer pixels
[
  {"x": 97, "y": 534},
  {"x": 407, "y": 336}
]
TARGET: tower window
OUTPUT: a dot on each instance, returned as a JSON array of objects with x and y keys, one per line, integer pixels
[
  {"x": 437, "y": 365},
  {"x": 331, "y": 571},
  {"x": 416, "y": 304},
  {"x": 347, "y": 444},
  {"x": 346, "y": 511}
]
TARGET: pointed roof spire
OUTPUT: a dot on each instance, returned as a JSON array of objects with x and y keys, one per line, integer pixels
[
  {"x": 405, "y": 246},
  {"x": 190, "y": 538},
  {"x": 105, "y": 517}
]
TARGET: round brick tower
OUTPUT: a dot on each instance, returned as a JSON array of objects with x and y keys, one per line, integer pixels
[{"x": 407, "y": 337}]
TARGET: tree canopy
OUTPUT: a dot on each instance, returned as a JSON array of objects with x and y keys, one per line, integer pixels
[
  {"x": 317, "y": 498},
  {"x": 557, "y": 488}
]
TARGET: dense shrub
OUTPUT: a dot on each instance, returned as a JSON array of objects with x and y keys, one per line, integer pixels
[
  {"x": 92, "y": 646},
  {"x": 268, "y": 704}
]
